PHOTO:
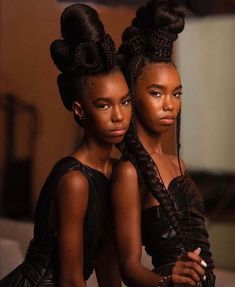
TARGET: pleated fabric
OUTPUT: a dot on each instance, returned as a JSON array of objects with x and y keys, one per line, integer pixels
[{"x": 160, "y": 239}]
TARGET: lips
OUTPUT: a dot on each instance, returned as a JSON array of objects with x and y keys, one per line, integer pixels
[
  {"x": 118, "y": 131},
  {"x": 168, "y": 120}
]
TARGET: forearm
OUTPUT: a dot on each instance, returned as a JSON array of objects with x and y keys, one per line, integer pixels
[
  {"x": 72, "y": 283},
  {"x": 107, "y": 268},
  {"x": 136, "y": 275}
]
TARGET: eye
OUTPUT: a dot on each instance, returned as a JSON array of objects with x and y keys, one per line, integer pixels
[
  {"x": 102, "y": 106},
  {"x": 155, "y": 94},
  {"x": 178, "y": 94},
  {"x": 126, "y": 102}
]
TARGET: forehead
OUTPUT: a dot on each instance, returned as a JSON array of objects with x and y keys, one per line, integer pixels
[
  {"x": 160, "y": 73},
  {"x": 107, "y": 84}
]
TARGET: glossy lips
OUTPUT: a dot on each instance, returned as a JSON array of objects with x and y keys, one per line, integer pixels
[
  {"x": 118, "y": 132},
  {"x": 167, "y": 120}
]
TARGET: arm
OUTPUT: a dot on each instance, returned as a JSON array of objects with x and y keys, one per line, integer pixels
[
  {"x": 126, "y": 199},
  {"x": 71, "y": 202},
  {"x": 107, "y": 269}
]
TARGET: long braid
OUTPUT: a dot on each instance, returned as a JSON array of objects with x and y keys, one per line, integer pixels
[
  {"x": 178, "y": 143},
  {"x": 133, "y": 149}
]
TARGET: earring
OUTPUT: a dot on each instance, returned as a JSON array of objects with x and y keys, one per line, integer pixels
[{"x": 81, "y": 118}]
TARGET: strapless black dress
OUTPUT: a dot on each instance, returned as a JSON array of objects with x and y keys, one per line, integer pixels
[
  {"x": 40, "y": 267},
  {"x": 159, "y": 238}
]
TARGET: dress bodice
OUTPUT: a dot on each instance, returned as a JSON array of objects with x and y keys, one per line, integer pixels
[
  {"x": 97, "y": 214},
  {"x": 160, "y": 239}
]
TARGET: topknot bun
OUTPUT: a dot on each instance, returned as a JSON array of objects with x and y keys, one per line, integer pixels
[
  {"x": 166, "y": 14},
  {"x": 85, "y": 46},
  {"x": 84, "y": 50},
  {"x": 81, "y": 23},
  {"x": 153, "y": 31}
]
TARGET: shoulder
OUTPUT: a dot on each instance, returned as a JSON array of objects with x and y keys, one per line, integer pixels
[
  {"x": 174, "y": 161},
  {"x": 125, "y": 169},
  {"x": 73, "y": 182}
]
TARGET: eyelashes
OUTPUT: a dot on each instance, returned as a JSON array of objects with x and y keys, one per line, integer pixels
[
  {"x": 105, "y": 106},
  {"x": 159, "y": 94}
]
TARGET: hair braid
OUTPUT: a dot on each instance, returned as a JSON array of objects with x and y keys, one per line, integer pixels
[
  {"x": 178, "y": 144},
  {"x": 133, "y": 150}
]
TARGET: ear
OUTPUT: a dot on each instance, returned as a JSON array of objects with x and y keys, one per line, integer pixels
[{"x": 78, "y": 110}]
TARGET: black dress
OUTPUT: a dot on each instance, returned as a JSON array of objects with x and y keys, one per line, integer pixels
[
  {"x": 159, "y": 238},
  {"x": 40, "y": 267}
]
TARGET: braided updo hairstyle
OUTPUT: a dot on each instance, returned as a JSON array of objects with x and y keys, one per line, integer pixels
[
  {"x": 85, "y": 49},
  {"x": 150, "y": 39}
]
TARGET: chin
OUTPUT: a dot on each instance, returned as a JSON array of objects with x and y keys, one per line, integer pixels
[
  {"x": 161, "y": 130},
  {"x": 116, "y": 140}
]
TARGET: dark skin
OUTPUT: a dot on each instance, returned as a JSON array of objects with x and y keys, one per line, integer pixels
[
  {"x": 106, "y": 111},
  {"x": 158, "y": 102}
]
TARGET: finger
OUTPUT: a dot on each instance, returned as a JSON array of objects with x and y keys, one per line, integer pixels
[
  {"x": 180, "y": 280},
  {"x": 196, "y": 267},
  {"x": 180, "y": 266},
  {"x": 187, "y": 272},
  {"x": 197, "y": 251},
  {"x": 195, "y": 257}
]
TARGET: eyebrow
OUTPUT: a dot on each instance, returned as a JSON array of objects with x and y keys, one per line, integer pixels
[
  {"x": 163, "y": 87},
  {"x": 109, "y": 100}
]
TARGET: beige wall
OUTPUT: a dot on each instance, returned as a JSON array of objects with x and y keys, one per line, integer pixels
[{"x": 205, "y": 56}]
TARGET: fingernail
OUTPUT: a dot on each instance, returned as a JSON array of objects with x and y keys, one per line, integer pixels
[
  {"x": 204, "y": 278},
  {"x": 203, "y": 263},
  {"x": 197, "y": 251}
]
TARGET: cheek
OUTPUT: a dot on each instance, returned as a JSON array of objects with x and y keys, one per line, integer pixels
[
  {"x": 99, "y": 120},
  {"x": 148, "y": 109}
]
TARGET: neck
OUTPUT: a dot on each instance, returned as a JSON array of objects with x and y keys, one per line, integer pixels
[
  {"x": 94, "y": 153},
  {"x": 151, "y": 141}
]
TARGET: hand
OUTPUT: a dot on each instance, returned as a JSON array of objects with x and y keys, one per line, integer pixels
[{"x": 189, "y": 269}]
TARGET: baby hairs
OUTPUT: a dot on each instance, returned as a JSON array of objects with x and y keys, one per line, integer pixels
[
  {"x": 150, "y": 39},
  {"x": 85, "y": 49}
]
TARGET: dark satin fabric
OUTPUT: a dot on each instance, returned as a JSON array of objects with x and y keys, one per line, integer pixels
[
  {"x": 40, "y": 267},
  {"x": 159, "y": 238}
]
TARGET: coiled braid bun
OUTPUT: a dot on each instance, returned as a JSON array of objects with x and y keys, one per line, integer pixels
[
  {"x": 85, "y": 45},
  {"x": 152, "y": 32},
  {"x": 85, "y": 48}
]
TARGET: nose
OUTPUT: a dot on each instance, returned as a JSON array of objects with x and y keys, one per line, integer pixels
[
  {"x": 117, "y": 114},
  {"x": 168, "y": 103}
]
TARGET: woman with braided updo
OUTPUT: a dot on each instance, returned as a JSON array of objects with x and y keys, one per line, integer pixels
[
  {"x": 72, "y": 233},
  {"x": 155, "y": 201}
]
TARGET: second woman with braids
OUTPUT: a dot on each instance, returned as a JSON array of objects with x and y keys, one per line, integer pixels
[
  {"x": 71, "y": 233},
  {"x": 155, "y": 201}
]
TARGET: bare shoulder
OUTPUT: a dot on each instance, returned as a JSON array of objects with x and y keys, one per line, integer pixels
[
  {"x": 73, "y": 183},
  {"x": 125, "y": 169},
  {"x": 174, "y": 161},
  {"x": 72, "y": 196}
]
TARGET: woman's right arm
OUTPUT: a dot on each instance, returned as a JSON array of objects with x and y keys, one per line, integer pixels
[
  {"x": 71, "y": 203},
  {"x": 126, "y": 200}
]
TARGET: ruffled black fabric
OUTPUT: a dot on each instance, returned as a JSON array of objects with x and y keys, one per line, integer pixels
[
  {"x": 159, "y": 238},
  {"x": 40, "y": 267}
]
